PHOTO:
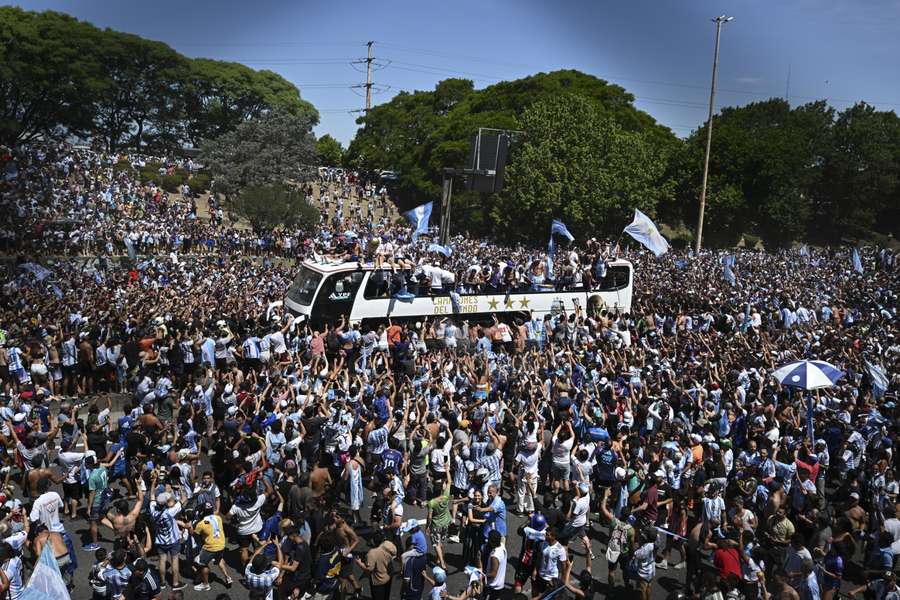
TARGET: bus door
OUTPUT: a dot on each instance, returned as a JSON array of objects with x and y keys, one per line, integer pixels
[{"x": 335, "y": 298}]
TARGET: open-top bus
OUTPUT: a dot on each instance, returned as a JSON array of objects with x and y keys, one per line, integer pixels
[{"x": 324, "y": 292}]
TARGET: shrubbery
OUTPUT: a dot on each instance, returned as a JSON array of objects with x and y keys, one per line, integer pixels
[{"x": 199, "y": 183}]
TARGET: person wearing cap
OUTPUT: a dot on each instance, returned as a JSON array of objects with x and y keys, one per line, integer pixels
[{"x": 413, "y": 564}]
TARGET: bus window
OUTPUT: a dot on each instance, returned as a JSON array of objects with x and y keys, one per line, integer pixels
[
  {"x": 378, "y": 285},
  {"x": 616, "y": 279},
  {"x": 336, "y": 297},
  {"x": 304, "y": 287}
]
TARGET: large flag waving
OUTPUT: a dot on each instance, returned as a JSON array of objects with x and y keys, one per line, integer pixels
[
  {"x": 643, "y": 230},
  {"x": 419, "y": 217},
  {"x": 46, "y": 581},
  {"x": 556, "y": 228}
]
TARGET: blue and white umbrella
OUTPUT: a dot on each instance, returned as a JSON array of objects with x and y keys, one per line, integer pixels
[{"x": 808, "y": 374}]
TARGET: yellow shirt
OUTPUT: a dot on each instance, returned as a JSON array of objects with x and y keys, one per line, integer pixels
[{"x": 212, "y": 532}]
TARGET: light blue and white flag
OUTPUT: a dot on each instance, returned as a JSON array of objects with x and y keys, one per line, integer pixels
[
  {"x": 46, "y": 581},
  {"x": 728, "y": 275},
  {"x": 879, "y": 379},
  {"x": 40, "y": 273},
  {"x": 644, "y": 231},
  {"x": 556, "y": 228},
  {"x": 804, "y": 250},
  {"x": 445, "y": 250},
  {"x": 419, "y": 217},
  {"x": 728, "y": 269},
  {"x": 559, "y": 228},
  {"x": 129, "y": 245},
  {"x": 857, "y": 263}
]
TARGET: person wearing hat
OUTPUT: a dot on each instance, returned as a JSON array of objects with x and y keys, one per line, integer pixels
[{"x": 413, "y": 564}]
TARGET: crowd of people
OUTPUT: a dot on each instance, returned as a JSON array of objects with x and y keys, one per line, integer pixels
[
  {"x": 170, "y": 413},
  {"x": 65, "y": 201}
]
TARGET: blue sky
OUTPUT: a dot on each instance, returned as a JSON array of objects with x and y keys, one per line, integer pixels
[{"x": 661, "y": 51}]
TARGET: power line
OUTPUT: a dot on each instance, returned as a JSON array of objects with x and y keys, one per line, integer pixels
[{"x": 370, "y": 58}]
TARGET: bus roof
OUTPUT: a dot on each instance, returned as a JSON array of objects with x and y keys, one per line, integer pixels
[{"x": 327, "y": 268}]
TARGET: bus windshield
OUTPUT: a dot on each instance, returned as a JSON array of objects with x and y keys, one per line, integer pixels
[{"x": 304, "y": 287}]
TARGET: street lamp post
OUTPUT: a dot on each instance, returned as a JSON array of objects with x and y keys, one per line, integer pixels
[{"x": 709, "y": 122}]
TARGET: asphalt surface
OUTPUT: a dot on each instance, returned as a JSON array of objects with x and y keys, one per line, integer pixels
[{"x": 666, "y": 581}]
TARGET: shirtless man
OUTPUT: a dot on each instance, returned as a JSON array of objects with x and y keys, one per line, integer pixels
[
  {"x": 58, "y": 545},
  {"x": 320, "y": 479},
  {"x": 344, "y": 538},
  {"x": 124, "y": 520}
]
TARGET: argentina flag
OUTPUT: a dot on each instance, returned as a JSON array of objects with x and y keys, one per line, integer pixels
[
  {"x": 644, "y": 231},
  {"x": 419, "y": 217},
  {"x": 46, "y": 581}
]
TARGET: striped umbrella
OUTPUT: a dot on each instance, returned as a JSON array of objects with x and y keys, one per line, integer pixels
[{"x": 808, "y": 374}]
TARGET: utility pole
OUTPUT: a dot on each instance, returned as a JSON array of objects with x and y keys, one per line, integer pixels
[
  {"x": 709, "y": 125},
  {"x": 369, "y": 60}
]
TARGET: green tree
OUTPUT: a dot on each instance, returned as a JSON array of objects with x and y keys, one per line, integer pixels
[
  {"x": 577, "y": 164},
  {"x": 270, "y": 149},
  {"x": 219, "y": 95},
  {"x": 48, "y": 68},
  {"x": 270, "y": 206},
  {"x": 420, "y": 133},
  {"x": 765, "y": 161},
  {"x": 860, "y": 186},
  {"x": 329, "y": 151},
  {"x": 139, "y": 100}
]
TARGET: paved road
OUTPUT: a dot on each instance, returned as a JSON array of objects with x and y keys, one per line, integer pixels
[{"x": 666, "y": 581}]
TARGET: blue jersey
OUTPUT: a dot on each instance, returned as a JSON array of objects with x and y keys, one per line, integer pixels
[{"x": 391, "y": 461}]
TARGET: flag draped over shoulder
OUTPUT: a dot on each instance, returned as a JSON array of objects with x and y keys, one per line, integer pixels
[
  {"x": 728, "y": 269},
  {"x": 856, "y": 262},
  {"x": 644, "y": 231},
  {"x": 46, "y": 581},
  {"x": 879, "y": 379},
  {"x": 419, "y": 217},
  {"x": 556, "y": 228}
]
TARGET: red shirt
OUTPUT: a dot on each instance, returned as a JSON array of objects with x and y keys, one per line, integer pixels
[{"x": 728, "y": 561}]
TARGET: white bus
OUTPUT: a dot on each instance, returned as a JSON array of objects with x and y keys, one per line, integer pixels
[{"x": 325, "y": 292}]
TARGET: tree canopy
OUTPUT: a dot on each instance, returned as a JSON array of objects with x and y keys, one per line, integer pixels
[
  {"x": 329, "y": 151},
  {"x": 576, "y": 163},
  {"x": 419, "y": 133},
  {"x": 269, "y": 149},
  {"x": 790, "y": 173},
  {"x": 59, "y": 75}
]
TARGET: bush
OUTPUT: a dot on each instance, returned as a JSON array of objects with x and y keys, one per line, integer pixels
[
  {"x": 170, "y": 183},
  {"x": 199, "y": 183},
  {"x": 147, "y": 176},
  {"x": 122, "y": 165},
  {"x": 750, "y": 240}
]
